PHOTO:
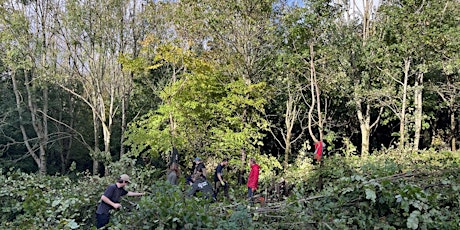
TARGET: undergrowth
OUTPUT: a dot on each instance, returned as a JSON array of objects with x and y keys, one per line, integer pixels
[{"x": 391, "y": 190}]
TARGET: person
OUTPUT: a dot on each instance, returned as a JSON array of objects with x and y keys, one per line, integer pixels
[
  {"x": 253, "y": 179},
  {"x": 200, "y": 184},
  {"x": 199, "y": 170},
  {"x": 319, "y": 149},
  {"x": 173, "y": 173},
  {"x": 219, "y": 181},
  {"x": 111, "y": 199}
]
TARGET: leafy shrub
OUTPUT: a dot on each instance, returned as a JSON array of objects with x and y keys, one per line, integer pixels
[{"x": 391, "y": 190}]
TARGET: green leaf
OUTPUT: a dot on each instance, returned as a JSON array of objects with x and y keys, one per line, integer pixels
[
  {"x": 370, "y": 194},
  {"x": 72, "y": 224},
  {"x": 412, "y": 221}
]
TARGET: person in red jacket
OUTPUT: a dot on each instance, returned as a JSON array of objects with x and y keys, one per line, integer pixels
[
  {"x": 319, "y": 149},
  {"x": 253, "y": 179}
]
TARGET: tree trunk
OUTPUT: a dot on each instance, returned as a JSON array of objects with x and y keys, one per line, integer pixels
[
  {"x": 96, "y": 143},
  {"x": 65, "y": 131},
  {"x": 124, "y": 108},
  {"x": 25, "y": 137},
  {"x": 402, "y": 125},
  {"x": 287, "y": 151},
  {"x": 364, "y": 124},
  {"x": 312, "y": 90},
  {"x": 40, "y": 125},
  {"x": 365, "y": 134},
  {"x": 42, "y": 128},
  {"x": 291, "y": 114},
  {"x": 453, "y": 125},
  {"x": 418, "y": 109}
]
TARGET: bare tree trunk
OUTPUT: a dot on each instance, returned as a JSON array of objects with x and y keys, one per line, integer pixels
[
  {"x": 124, "y": 108},
  {"x": 364, "y": 124},
  {"x": 25, "y": 137},
  {"x": 315, "y": 99},
  {"x": 289, "y": 120},
  {"x": 453, "y": 125},
  {"x": 418, "y": 109},
  {"x": 312, "y": 90},
  {"x": 291, "y": 115},
  {"x": 107, "y": 127},
  {"x": 66, "y": 142},
  {"x": 402, "y": 125},
  {"x": 96, "y": 143},
  {"x": 40, "y": 125}
]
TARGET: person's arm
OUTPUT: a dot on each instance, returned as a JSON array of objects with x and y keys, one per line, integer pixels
[
  {"x": 135, "y": 194},
  {"x": 109, "y": 202},
  {"x": 219, "y": 176}
]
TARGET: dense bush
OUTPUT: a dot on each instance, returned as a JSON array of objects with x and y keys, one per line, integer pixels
[{"x": 392, "y": 190}]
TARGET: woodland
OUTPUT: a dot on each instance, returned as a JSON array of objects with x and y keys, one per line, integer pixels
[{"x": 93, "y": 89}]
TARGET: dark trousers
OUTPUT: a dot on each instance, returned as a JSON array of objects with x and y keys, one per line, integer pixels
[
  {"x": 218, "y": 187},
  {"x": 102, "y": 219},
  {"x": 250, "y": 195}
]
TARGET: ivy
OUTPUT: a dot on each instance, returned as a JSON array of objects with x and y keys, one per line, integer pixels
[{"x": 378, "y": 197}]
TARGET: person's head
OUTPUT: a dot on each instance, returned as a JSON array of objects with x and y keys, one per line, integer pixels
[
  {"x": 123, "y": 180},
  {"x": 252, "y": 161},
  {"x": 225, "y": 161},
  {"x": 197, "y": 160},
  {"x": 174, "y": 167}
]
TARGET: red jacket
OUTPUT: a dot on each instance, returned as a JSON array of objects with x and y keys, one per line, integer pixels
[
  {"x": 319, "y": 147},
  {"x": 253, "y": 179}
]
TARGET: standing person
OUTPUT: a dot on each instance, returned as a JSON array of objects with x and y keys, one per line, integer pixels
[
  {"x": 111, "y": 200},
  {"x": 219, "y": 179},
  {"x": 253, "y": 179},
  {"x": 173, "y": 174}
]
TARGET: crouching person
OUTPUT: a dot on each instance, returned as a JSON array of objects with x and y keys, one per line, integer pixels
[{"x": 200, "y": 184}]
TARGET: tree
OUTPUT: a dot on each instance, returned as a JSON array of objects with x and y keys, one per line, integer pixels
[
  {"x": 237, "y": 36},
  {"x": 205, "y": 109},
  {"x": 367, "y": 89},
  {"x": 93, "y": 39},
  {"x": 29, "y": 41},
  {"x": 411, "y": 26}
]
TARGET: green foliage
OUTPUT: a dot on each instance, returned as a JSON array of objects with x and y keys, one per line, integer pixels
[
  {"x": 381, "y": 190},
  {"x": 202, "y": 111},
  {"x": 45, "y": 202}
]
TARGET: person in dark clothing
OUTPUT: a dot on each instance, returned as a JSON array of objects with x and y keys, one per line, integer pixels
[
  {"x": 200, "y": 184},
  {"x": 219, "y": 181},
  {"x": 111, "y": 200},
  {"x": 199, "y": 169}
]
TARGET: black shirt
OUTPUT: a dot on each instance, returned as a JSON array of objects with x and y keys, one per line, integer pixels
[
  {"x": 219, "y": 169},
  {"x": 202, "y": 185},
  {"x": 198, "y": 171},
  {"x": 113, "y": 193}
]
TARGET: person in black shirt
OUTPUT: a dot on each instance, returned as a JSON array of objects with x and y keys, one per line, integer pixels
[
  {"x": 200, "y": 184},
  {"x": 111, "y": 200},
  {"x": 219, "y": 181},
  {"x": 199, "y": 170}
]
